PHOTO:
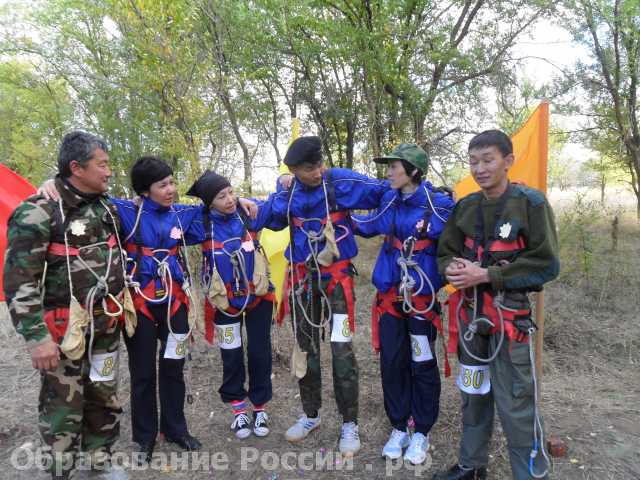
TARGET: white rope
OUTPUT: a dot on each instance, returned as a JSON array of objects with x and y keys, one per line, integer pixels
[
  {"x": 407, "y": 282},
  {"x": 433, "y": 208},
  {"x": 537, "y": 423}
]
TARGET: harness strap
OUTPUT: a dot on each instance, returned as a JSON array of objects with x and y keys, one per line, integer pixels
[
  {"x": 335, "y": 217},
  {"x": 59, "y": 249},
  {"x": 388, "y": 302},
  {"x": 141, "y": 305},
  {"x": 149, "y": 252},
  {"x": 208, "y": 247},
  {"x": 488, "y": 310},
  {"x": 396, "y": 243},
  {"x": 497, "y": 245},
  {"x": 57, "y": 319},
  {"x": 339, "y": 272},
  {"x": 210, "y": 312}
]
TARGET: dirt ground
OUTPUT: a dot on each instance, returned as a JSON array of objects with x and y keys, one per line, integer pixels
[{"x": 590, "y": 391}]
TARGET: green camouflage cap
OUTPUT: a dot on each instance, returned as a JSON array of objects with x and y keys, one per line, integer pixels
[{"x": 410, "y": 152}]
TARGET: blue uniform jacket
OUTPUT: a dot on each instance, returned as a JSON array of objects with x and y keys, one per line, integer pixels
[
  {"x": 158, "y": 228},
  {"x": 398, "y": 217},
  {"x": 231, "y": 230},
  {"x": 352, "y": 191}
]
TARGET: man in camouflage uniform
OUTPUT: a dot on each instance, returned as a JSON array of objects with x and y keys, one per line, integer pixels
[{"x": 59, "y": 252}]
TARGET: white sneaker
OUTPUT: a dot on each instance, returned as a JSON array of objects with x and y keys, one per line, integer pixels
[
  {"x": 349, "y": 439},
  {"x": 260, "y": 426},
  {"x": 417, "y": 451},
  {"x": 299, "y": 430},
  {"x": 397, "y": 441},
  {"x": 241, "y": 426}
]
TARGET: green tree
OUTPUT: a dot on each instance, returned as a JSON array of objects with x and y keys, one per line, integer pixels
[
  {"x": 35, "y": 112},
  {"x": 610, "y": 30}
]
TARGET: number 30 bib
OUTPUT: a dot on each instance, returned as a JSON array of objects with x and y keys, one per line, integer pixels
[{"x": 474, "y": 379}]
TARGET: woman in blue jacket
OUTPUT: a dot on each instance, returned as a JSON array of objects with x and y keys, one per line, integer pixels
[
  {"x": 235, "y": 277},
  {"x": 411, "y": 216},
  {"x": 154, "y": 233}
]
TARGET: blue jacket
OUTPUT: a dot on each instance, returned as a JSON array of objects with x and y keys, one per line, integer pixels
[
  {"x": 397, "y": 217},
  {"x": 159, "y": 228},
  {"x": 231, "y": 230},
  {"x": 352, "y": 191}
]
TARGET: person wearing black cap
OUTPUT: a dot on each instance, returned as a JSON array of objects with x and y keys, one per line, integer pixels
[
  {"x": 237, "y": 290},
  {"x": 319, "y": 281}
]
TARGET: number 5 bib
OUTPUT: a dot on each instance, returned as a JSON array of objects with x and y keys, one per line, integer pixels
[{"x": 229, "y": 336}]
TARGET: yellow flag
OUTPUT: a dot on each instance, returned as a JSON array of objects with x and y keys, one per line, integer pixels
[
  {"x": 530, "y": 149},
  {"x": 274, "y": 243}
]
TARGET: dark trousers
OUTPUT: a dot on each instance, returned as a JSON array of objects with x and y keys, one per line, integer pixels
[
  {"x": 143, "y": 356},
  {"x": 343, "y": 359},
  {"x": 511, "y": 394},
  {"x": 410, "y": 388},
  {"x": 258, "y": 325}
]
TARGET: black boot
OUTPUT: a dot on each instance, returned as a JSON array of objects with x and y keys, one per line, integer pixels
[
  {"x": 147, "y": 452},
  {"x": 187, "y": 442},
  {"x": 458, "y": 473}
]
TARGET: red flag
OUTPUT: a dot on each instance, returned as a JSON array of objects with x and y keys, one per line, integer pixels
[{"x": 13, "y": 190}]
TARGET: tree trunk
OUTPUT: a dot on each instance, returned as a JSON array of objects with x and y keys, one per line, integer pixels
[{"x": 233, "y": 119}]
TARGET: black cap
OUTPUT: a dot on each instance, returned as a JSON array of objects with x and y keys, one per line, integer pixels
[
  {"x": 146, "y": 171},
  {"x": 208, "y": 186},
  {"x": 304, "y": 149}
]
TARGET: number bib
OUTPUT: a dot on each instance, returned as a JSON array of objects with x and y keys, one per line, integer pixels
[
  {"x": 103, "y": 366},
  {"x": 340, "y": 331},
  {"x": 474, "y": 379},
  {"x": 420, "y": 349},
  {"x": 229, "y": 336},
  {"x": 176, "y": 347}
]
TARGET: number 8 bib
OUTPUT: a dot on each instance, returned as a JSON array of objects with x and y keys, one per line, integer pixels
[
  {"x": 474, "y": 379},
  {"x": 340, "y": 331}
]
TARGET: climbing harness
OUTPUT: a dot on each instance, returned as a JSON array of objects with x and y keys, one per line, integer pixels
[{"x": 100, "y": 290}]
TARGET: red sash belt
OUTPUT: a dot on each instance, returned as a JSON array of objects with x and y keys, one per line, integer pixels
[
  {"x": 210, "y": 313},
  {"x": 60, "y": 250},
  {"x": 335, "y": 217},
  {"x": 386, "y": 303},
  {"x": 395, "y": 242},
  {"x": 140, "y": 303},
  {"x": 489, "y": 311},
  {"x": 206, "y": 246},
  {"x": 339, "y": 272},
  {"x": 132, "y": 248},
  {"x": 57, "y": 319}
]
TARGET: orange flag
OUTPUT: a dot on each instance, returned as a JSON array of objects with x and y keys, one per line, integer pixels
[
  {"x": 530, "y": 149},
  {"x": 13, "y": 190}
]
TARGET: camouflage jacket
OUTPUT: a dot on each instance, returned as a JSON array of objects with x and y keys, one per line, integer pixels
[{"x": 36, "y": 238}]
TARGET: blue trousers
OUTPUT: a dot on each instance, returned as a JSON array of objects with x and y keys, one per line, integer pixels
[
  {"x": 410, "y": 388},
  {"x": 258, "y": 325}
]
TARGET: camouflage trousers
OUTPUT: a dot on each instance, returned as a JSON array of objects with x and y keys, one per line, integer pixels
[
  {"x": 77, "y": 413},
  {"x": 345, "y": 366}
]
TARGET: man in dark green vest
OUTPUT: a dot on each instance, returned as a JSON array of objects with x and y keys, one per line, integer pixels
[{"x": 499, "y": 245}]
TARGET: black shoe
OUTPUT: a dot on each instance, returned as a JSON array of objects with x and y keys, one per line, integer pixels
[
  {"x": 458, "y": 473},
  {"x": 147, "y": 451},
  {"x": 186, "y": 442}
]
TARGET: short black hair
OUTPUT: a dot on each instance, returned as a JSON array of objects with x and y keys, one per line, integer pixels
[
  {"x": 409, "y": 169},
  {"x": 148, "y": 170},
  {"x": 492, "y": 138},
  {"x": 79, "y": 146}
]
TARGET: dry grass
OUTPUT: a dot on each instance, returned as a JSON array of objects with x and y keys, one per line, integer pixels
[{"x": 590, "y": 387}]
